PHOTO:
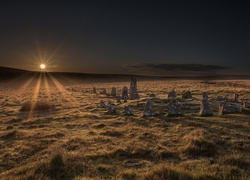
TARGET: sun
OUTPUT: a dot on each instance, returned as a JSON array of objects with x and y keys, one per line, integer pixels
[{"x": 42, "y": 66}]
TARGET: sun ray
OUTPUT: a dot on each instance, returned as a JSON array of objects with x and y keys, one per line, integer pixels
[
  {"x": 65, "y": 93},
  {"x": 47, "y": 87},
  {"x": 35, "y": 95}
]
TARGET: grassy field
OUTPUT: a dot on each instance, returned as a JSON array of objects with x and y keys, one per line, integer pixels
[{"x": 76, "y": 139}]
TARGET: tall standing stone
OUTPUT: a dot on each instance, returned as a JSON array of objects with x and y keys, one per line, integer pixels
[
  {"x": 113, "y": 91},
  {"x": 148, "y": 109},
  {"x": 124, "y": 92},
  {"x": 133, "y": 89},
  {"x": 205, "y": 109}
]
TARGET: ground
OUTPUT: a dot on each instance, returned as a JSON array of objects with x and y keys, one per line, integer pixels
[{"x": 76, "y": 139}]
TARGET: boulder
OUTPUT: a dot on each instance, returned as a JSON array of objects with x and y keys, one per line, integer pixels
[
  {"x": 205, "y": 109},
  {"x": 133, "y": 89},
  {"x": 186, "y": 95},
  {"x": 174, "y": 108},
  {"x": 148, "y": 109},
  {"x": 228, "y": 108},
  {"x": 113, "y": 91}
]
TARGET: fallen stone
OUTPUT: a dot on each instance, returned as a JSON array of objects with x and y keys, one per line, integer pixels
[{"x": 228, "y": 108}]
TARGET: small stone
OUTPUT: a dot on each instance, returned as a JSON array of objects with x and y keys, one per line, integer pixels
[
  {"x": 187, "y": 95},
  {"x": 219, "y": 98},
  {"x": 205, "y": 95},
  {"x": 102, "y": 104},
  {"x": 104, "y": 91},
  {"x": 172, "y": 94},
  {"x": 118, "y": 99}
]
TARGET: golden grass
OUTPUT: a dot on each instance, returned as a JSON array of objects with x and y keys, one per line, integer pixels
[{"x": 78, "y": 140}]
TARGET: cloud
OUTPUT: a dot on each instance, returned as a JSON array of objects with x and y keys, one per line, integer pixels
[{"x": 184, "y": 69}]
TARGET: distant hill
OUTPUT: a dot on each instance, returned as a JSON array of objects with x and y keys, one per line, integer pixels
[
  {"x": 8, "y": 72},
  {"x": 11, "y": 70}
]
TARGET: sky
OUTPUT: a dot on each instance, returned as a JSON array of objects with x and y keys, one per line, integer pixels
[{"x": 118, "y": 36}]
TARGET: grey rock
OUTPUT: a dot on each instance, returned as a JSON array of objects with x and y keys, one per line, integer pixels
[
  {"x": 102, "y": 104},
  {"x": 174, "y": 108},
  {"x": 219, "y": 98},
  {"x": 118, "y": 99},
  {"x": 235, "y": 97},
  {"x": 172, "y": 94},
  {"x": 113, "y": 91},
  {"x": 148, "y": 109},
  {"x": 124, "y": 92},
  {"x": 187, "y": 95},
  {"x": 128, "y": 111}
]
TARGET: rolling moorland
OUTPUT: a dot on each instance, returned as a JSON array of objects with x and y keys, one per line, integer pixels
[{"x": 69, "y": 136}]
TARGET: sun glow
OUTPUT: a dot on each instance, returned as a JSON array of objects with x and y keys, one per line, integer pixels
[{"x": 42, "y": 66}]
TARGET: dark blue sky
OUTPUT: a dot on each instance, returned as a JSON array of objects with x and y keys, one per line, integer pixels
[{"x": 111, "y": 36}]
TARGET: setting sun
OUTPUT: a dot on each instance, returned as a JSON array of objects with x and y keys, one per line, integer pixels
[{"x": 42, "y": 66}]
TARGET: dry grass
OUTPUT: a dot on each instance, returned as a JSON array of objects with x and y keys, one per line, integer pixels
[{"x": 75, "y": 139}]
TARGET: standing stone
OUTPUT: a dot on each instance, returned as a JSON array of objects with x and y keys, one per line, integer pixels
[
  {"x": 104, "y": 91},
  {"x": 124, "y": 92},
  {"x": 226, "y": 108},
  {"x": 118, "y": 100},
  {"x": 111, "y": 109},
  {"x": 133, "y": 89},
  {"x": 246, "y": 104},
  {"x": 205, "y": 95},
  {"x": 113, "y": 91},
  {"x": 94, "y": 90},
  {"x": 235, "y": 97},
  {"x": 174, "y": 108},
  {"x": 125, "y": 99},
  {"x": 226, "y": 98},
  {"x": 128, "y": 111},
  {"x": 102, "y": 104},
  {"x": 205, "y": 109},
  {"x": 172, "y": 94},
  {"x": 109, "y": 103},
  {"x": 219, "y": 98},
  {"x": 187, "y": 95},
  {"x": 148, "y": 109}
]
